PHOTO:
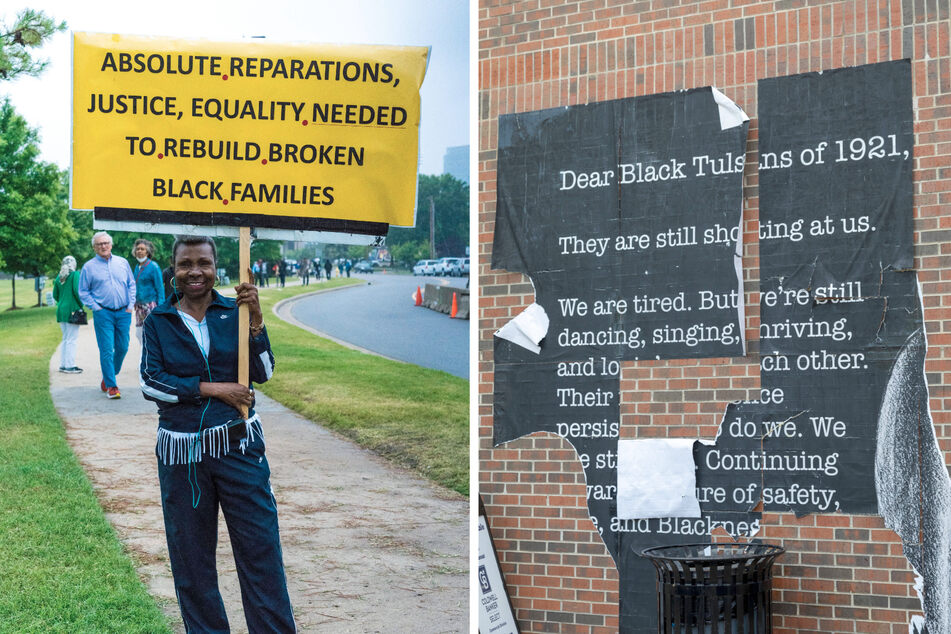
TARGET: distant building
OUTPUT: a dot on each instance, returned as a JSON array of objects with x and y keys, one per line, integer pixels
[{"x": 456, "y": 162}]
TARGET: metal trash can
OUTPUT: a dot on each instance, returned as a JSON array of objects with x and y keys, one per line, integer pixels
[{"x": 714, "y": 588}]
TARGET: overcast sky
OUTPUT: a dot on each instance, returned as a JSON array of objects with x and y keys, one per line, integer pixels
[{"x": 441, "y": 24}]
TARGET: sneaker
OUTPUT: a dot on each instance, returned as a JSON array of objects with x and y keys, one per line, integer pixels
[
  {"x": 62, "y": 369},
  {"x": 102, "y": 386},
  {"x": 72, "y": 370},
  {"x": 114, "y": 393}
]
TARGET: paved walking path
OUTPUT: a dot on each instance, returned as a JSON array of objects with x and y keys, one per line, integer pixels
[{"x": 368, "y": 547}]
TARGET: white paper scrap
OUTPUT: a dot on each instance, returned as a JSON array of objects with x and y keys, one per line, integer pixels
[
  {"x": 527, "y": 329},
  {"x": 656, "y": 477},
  {"x": 731, "y": 115}
]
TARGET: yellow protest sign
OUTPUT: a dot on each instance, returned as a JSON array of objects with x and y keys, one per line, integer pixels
[{"x": 253, "y": 129}]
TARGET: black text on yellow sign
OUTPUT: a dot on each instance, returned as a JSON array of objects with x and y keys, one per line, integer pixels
[{"x": 280, "y": 130}]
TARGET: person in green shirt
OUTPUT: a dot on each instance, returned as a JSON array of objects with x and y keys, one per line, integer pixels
[{"x": 66, "y": 294}]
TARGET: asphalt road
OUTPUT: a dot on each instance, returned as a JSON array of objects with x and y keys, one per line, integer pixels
[{"x": 380, "y": 316}]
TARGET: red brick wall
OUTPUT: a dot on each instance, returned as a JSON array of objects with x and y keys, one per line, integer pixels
[{"x": 842, "y": 573}]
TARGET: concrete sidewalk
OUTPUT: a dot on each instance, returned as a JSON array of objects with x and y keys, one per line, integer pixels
[{"x": 368, "y": 547}]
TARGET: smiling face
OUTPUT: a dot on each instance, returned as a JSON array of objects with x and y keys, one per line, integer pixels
[{"x": 195, "y": 270}]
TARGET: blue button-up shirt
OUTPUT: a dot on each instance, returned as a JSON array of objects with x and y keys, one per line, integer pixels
[{"x": 107, "y": 283}]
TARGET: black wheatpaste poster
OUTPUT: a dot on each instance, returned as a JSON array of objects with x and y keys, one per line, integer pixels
[
  {"x": 837, "y": 296},
  {"x": 634, "y": 263},
  {"x": 842, "y": 331},
  {"x": 626, "y": 216}
]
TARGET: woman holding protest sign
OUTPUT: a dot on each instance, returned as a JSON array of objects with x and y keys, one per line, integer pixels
[{"x": 208, "y": 454}]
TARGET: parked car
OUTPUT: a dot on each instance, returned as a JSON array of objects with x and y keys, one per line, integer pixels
[
  {"x": 447, "y": 266},
  {"x": 425, "y": 267},
  {"x": 363, "y": 266},
  {"x": 455, "y": 267},
  {"x": 441, "y": 267},
  {"x": 459, "y": 267}
]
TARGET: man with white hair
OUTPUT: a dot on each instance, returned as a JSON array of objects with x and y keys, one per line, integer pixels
[{"x": 107, "y": 286}]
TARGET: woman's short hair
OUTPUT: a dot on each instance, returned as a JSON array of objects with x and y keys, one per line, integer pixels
[
  {"x": 149, "y": 247},
  {"x": 190, "y": 240}
]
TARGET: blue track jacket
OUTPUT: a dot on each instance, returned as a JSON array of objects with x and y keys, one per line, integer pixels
[{"x": 173, "y": 365}]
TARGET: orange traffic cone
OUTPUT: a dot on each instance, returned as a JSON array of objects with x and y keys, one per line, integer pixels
[
  {"x": 455, "y": 307},
  {"x": 418, "y": 297}
]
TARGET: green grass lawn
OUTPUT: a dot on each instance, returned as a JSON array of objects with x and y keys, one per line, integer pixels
[
  {"x": 26, "y": 296},
  {"x": 62, "y": 569},
  {"x": 416, "y": 417}
]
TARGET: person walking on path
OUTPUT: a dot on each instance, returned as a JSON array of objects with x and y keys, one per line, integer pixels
[
  {"x": 282, "y": 271},
  {"x": 328, "y": 267},
  {"x": 149, "y": 288},
  {"x": 106, "y": 285},
  {"x": 256, "y": 273},
  {"x": 208, "y": 454},
  {"x": 66, "y": 294},
  {"x": 304, "y": 272},
  {"x": 347, "y": 265}
]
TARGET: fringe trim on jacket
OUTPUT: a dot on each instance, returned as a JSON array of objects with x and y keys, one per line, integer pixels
[{"x": 177, "y": 447}]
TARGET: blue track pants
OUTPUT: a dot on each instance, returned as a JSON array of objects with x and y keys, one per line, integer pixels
[{"x": 239, "y": 483}]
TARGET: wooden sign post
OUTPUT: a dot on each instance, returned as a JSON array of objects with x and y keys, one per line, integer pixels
[{"x": 244, "y": 324}]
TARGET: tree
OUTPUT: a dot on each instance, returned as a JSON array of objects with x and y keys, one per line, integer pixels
[
  {"x": 81, "y": 245},
  {"x": 345, "y": 251},
  {"x": 408, "y": 253},
  {"x": 451, "y": 203},
  {"x": 30, "y": 30},
  {"x": 228, "y": 256},
  {"x": 35, "y": 231},
  {"x": 122, "y": 241}
]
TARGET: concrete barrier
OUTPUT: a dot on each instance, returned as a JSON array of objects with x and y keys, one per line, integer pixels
[{"x": 439, "y": 298}]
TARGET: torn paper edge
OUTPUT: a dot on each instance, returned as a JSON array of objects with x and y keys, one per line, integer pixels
[
  {"x": 595, "y": 520},
  {"x": 656, "y": 477},
  {"x": 757, "y": 523},
  {"x": 526, "y": 329},
  {"x": 731, "y": 115},
  {"x": 935, "y": 549},
  {"x": 738, "y": 266}
]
